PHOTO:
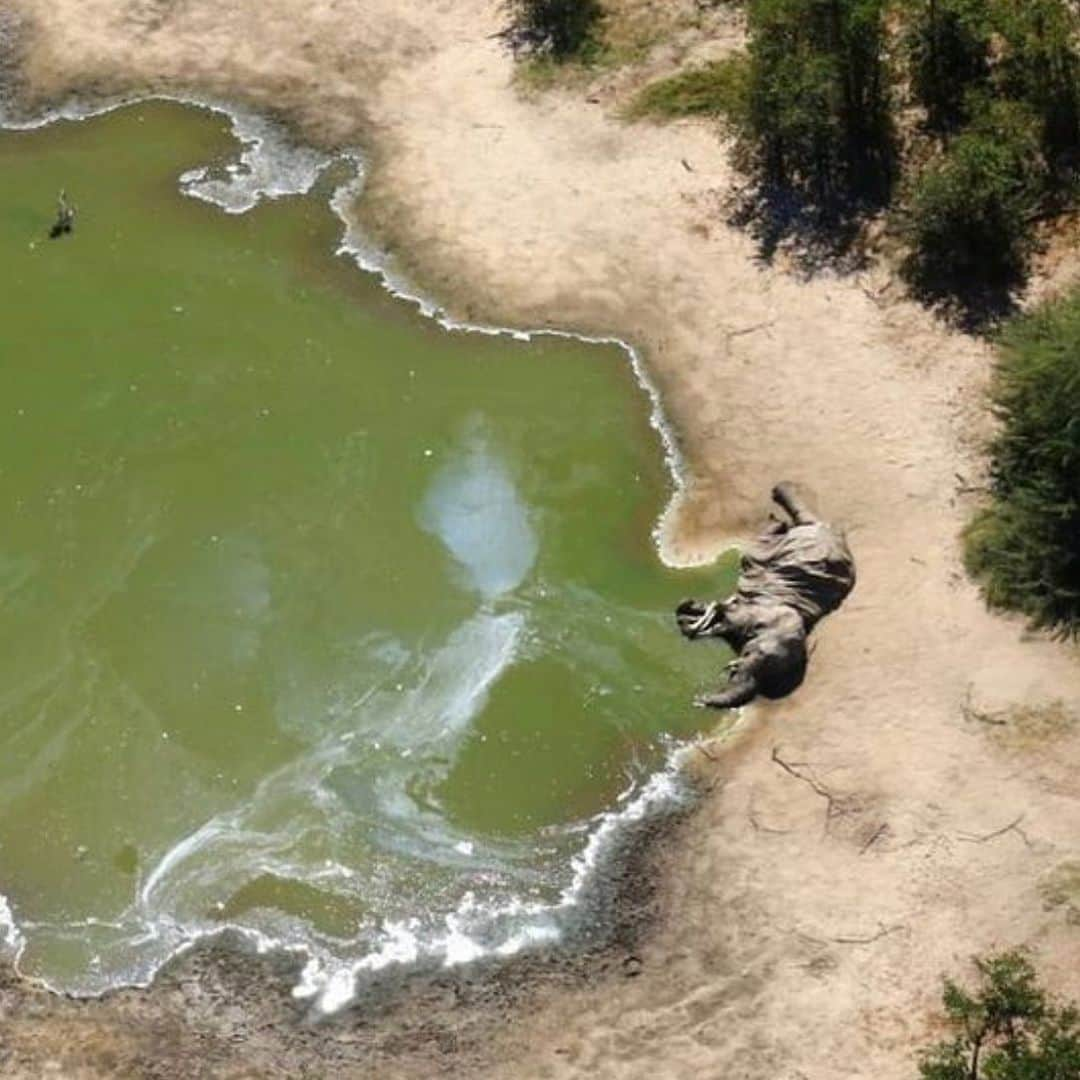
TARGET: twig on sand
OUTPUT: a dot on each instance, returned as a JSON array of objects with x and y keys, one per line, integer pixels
[
  {"x": 878, "y": 833},
  {"x": 730, "y": 335},
  {"x": 876, "y": 296},
  {"x": 792, "y": 769},
  {"x": 969, "y": 712},
  {"x": 964, "y": 488},
  {"x": 756, "y": 824},
  {"x": 1013, "y": 826},
  {"x": 883, "y": 932}
]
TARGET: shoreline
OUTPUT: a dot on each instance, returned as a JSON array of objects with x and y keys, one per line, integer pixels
[
  {"x": 795, "y": 938},
  {"x": 221, "y": 995}
]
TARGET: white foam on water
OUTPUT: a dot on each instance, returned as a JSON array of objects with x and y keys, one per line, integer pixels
[
  {"x": 270, "y": 166},
  {"x": 476, "y": 930},
  {"x": 10, "y": 934}
]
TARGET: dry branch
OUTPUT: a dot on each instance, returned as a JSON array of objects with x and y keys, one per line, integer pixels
[{"x": 1013, "y": 826}]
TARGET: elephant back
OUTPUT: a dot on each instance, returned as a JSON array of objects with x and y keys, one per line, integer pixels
[{"x": 809, "y": 568}]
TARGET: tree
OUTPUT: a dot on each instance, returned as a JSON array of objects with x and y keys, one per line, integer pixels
[
  {"x": 556, "y": 28},
  {"x": 1041, "y": 66},
  {"x": 1007, "y": 1029},
  {"x": 948, "y": 47},
  {"x": 817, "y": 97},
  {"x": 1025, "y": 547},
  {"x": 968, "y": 216}
]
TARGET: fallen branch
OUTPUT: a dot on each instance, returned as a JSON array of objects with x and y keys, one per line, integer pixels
[
  {"x": 757, "y": 825},
  {"x": 732, "y": 334},
  {"x": 792, "y": 769},
  {"x": 1013, "y": 826},
  {"x": 969, "y": 712},
  {"x": 885, "y": 931},
  {"x": 879, "y": 832},
  {"x": 964, "y": 488},
  {"x": 876, "y": 296}
]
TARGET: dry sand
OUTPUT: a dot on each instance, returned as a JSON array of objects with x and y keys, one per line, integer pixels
[{"x": 910, "y": 805}]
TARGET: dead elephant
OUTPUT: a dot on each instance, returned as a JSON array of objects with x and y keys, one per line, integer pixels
[{"x": 794, "y": 574}]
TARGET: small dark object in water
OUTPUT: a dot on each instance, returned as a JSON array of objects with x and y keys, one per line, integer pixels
[
  {"x": 791, "y": 576},
  {"x": 65, "y": 217}
]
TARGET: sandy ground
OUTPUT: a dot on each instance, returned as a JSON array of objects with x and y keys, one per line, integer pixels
[{"x": 914, "y": 803}]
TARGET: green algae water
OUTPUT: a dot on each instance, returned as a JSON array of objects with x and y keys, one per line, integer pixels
[{"x": 320, "y": 622}]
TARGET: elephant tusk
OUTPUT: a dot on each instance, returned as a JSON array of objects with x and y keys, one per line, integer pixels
[{"x": 704, "y": 621}]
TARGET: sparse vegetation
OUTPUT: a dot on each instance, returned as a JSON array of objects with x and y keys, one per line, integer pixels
[
  {"x": 1007, "y": 1028},
  {"x": 816, "y": 118},
  {"x": 1040, "y": 65},
  {"x": 1025, "y": 547},
  {"x": 968, "y": 216},
  {"x": 948, "y": 45},
  {"x": 1005, "y": 79},
  {"x": 1060, "y": 889},
  {"x": 559, "y": 29},
  {"x": 717, "y": 89}
]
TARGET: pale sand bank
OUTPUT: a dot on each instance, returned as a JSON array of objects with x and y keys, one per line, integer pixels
[{"x": 802, "y": 937}]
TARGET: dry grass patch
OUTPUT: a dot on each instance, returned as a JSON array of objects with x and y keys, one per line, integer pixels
[
  {"x": 1061, "y": 889},
  {"x": 631, "y": 34}
]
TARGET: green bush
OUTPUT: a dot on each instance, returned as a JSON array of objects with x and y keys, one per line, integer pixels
[
  {"x": 817, "y": 114},
  {"x": 1040, "y": 65},
  {"x": 1007, "y": 1029},
  {"x": 560, "y": 29},
  {"x": 968, "y": 216},
  {"x": 948, "y": 48},
  {"x": 716, "y": 89},
  {"x": 1025, "y": 548}
]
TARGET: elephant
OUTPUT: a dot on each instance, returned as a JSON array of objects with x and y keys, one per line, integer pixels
[{"x": 795, "y": 573}]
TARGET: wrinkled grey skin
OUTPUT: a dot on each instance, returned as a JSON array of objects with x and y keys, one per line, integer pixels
[{"x": 794, "y": 574}]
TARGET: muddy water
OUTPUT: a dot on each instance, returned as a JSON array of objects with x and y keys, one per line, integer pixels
[{"x": 317, "y": 620}]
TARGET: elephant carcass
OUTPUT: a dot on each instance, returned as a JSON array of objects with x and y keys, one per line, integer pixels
[{"x": 796, "y": 572}]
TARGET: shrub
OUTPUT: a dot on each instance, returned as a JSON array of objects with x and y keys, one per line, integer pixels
[
  {"x": 817, "y": 99},
  {"x": 969, "y": 215},
  {"x": 1040, "y": 66},
  {"x": 948, "y": 48},
  {"x": 1025, "y": 548},
  {"x": 1007, "y": 1029},
  {"x": 717, "y": 89},
  {"x": 557, "y": 28}
]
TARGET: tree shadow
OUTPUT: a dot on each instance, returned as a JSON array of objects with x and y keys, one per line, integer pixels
[
  {"x": 812, "y": 235},
  {"x": 975, "y": 308},
  {"x": 975, "y": 300}
]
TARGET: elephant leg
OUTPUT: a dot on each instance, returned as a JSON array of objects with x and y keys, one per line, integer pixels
[{"x": 785, "y": 497}]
